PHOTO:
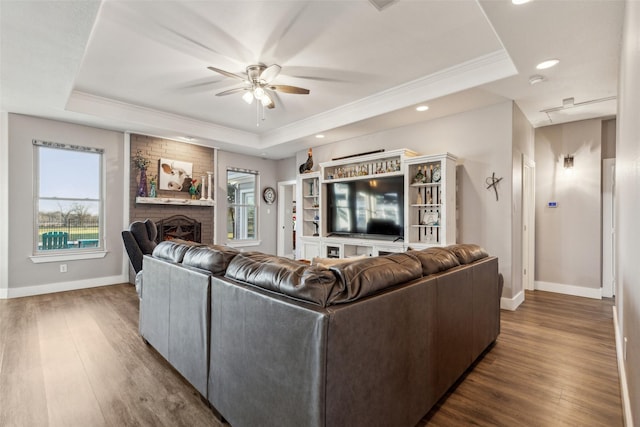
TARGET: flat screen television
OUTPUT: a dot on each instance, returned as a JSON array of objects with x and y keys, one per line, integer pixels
[{"x": 371, "y": 208}]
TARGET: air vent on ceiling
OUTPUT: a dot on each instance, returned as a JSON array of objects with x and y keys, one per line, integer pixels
[{"x": 382, "y": 4}]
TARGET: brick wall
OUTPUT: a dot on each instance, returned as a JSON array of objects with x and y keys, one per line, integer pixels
[{"x": 153, "y": 149}]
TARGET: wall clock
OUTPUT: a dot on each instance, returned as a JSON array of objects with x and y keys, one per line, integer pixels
[{"x": 269, "y": 195}]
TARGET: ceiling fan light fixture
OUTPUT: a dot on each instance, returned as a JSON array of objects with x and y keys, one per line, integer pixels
[
  {"x": 266, "y": 100},
  {"x": 248, "y": 98},
  {"x": 259, "y": 93}
]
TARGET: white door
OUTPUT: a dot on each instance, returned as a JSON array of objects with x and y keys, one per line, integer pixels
[
  {"x": 608, "y": 227},
  {"x": 286, "y": 203},
  {"x": 528, "y": 222}
]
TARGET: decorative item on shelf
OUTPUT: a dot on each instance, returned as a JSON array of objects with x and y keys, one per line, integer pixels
[
  {"x": 141, "y": 163},
  {"x": 492, "y": 181},
  {"x": 209, "y": 174},
  {"x": 419, "y": 198},
  {"x": 316, "y": 219},
  {"x": 154, "y": 186},
  {"x": 203, "y": 189},
  {"x": 436, "y": 174},
  {"x": 195, "y": 188},
  {"x": 306, "y": 166},
  {"x": 142, "y": 186},
  {"x": 419, "y": 176}
]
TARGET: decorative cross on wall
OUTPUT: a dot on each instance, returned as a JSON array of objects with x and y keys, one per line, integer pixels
[{"x": 492, "y": 181}]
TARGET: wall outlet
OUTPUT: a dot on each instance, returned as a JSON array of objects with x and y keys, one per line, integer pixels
[{"x": 63, "y": 268}]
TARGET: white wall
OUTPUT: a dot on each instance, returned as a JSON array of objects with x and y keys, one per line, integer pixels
[
  {"x": 482, "y": 141},
  {"x": 267, "y": 213},
  {"x": 628, "y": 211},
  {"x": 25, "y": 277},
  {"x": 569, "y": 238}
]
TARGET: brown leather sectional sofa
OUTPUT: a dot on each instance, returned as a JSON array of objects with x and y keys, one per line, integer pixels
[{"x": 273, "y": 342}]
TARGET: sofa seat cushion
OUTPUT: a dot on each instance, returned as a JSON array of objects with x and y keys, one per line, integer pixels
[
  {"x": 282, "y": 275},
  {"x": 467, "y": 252},
  {"x": 370, "y": 275},
  {"x": 213, "y": 258},
  {"x": 435, "y": 260},
  {"x": 171, "y": 250}
]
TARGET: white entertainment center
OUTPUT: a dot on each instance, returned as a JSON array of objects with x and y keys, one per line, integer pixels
[{"x": 428, "y": 204}]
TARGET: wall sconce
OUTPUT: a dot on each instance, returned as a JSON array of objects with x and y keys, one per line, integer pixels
[{"x": 568, "y": 162}]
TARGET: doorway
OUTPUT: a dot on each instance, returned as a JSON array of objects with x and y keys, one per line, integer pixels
[{"x": 286, "y": 238}]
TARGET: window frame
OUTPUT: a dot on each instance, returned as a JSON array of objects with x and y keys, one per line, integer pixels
[
  {"x": 255, "y": 241},
  {"x": 52, "y": 255}
]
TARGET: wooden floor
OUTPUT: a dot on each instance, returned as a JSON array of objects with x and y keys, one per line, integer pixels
[{"x": 76, "y": 359}]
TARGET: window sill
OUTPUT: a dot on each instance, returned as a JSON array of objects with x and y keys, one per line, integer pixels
[
  {"x": 243, "y": 243},
  {"x": 41, "y": 258}
]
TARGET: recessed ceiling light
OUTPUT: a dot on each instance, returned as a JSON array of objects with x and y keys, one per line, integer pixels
[
  {"x": 547, "y": 64},
  {"x": 422, "y": 108},
  {"x": 319, "y": 136},
  {"x": 518, "y": 2}
]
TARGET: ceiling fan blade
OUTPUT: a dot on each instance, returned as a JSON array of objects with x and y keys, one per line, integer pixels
[
  {"x": 231, "y": 91},
  {"x": 289, "y": 89},
  {"x": 270, "y": 73},
  {"x": 226, "y": 73}
]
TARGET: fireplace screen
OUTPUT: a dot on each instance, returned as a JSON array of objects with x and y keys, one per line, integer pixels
[{"x": 178, "y": 227}]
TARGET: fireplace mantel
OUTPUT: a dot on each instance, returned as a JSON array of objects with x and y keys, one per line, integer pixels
[{"x": 172, "y": 201}]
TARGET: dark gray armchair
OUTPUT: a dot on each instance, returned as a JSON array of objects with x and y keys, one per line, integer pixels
[{"x": 139, "y": 240}]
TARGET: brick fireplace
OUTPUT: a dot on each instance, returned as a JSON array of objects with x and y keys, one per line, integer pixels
[{"x": 153, "y": 149}]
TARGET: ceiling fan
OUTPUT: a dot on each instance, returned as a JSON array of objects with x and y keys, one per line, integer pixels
[{"x": 258, "y": 84}]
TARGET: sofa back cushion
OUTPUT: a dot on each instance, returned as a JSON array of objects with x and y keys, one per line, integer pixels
[
  {"x": 213, "y": 258},
  {"x": 467, "y": 252},
  {"x": 367, "y": 276},
  {"x": 435, "y": 260},
  {"x": 170, "y": 250},
  {"x": 282, "y": 275}
]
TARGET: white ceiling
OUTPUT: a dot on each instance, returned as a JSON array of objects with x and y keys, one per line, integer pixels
[{"x": 141, "y": 66}]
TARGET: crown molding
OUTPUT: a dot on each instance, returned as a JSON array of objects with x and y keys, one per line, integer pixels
[{"x": 147, "y": 120}]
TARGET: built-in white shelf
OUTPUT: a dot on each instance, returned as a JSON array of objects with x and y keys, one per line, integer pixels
[{"x": 173, "y": 201}]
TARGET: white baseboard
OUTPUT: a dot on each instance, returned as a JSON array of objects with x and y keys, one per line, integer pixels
[
  {"x": 512, "y": 303},
  {"x": 622, "y": 372},
  {"x": 560, "y": 288},
  {"x": 27, "y": 291}
]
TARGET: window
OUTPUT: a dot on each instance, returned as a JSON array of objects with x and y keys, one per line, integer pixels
[
  {"x": 241, "y": 204},
  {"x": 68, "y": 198}
]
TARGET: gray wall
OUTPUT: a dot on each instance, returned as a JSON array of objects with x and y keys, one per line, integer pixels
[
  {"x": 569, "y": 238},
  {"x": 40, "y": 278},
  {"x": 267, "y": 213},
  {"x": 628, "y": 206},
  {"x": 482, "y": 141}
]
